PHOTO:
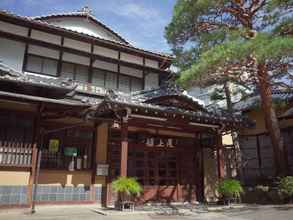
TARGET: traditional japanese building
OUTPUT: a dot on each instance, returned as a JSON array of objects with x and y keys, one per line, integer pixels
[
  {"x": 85, "y": 106},
  {"x": 255, "y": 144}
]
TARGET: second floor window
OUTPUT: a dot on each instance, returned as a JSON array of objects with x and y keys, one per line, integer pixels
[
  {"x": 75, "y": 71},
  {"x": 41, "y": 65},
  {"x": 110, "y": 80},
  {"x": 104, "y": 78}
]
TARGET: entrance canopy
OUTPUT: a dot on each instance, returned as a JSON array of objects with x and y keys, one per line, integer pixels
[{"x": 175, "y": 109}]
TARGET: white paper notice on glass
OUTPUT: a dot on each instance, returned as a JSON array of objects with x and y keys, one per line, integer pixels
[{"x": 102, "y": 169}]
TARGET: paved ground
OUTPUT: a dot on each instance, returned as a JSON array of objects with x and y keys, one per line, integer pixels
[{"x": 92, "y": 212}]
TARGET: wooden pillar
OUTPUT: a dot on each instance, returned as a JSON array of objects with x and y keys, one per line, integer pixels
[
  {"x": 93, "y": 163},
  {"x": 124, "y": 147},
  {"x": 36, "y": 133},
  {"x": 220, "y": 156},
  {"x": 101, "y": 157},
  {"x": 32, "y": 175}
]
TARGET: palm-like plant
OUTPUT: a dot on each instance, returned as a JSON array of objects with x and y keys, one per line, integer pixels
[
  {"x": 229, "y": 189},
  {"x": 285, "y": 185},
  {"x": 126, "y": 187}
]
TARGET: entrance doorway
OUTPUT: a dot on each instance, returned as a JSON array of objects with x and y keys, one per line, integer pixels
[{"x": 168, "y": 168}]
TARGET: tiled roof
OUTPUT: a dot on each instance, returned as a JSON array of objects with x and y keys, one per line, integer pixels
[
  {"x": 46, "y": 24},
  {"x": 195, "y": 116},
  {"x": 255, "y": 100},
  {"x": 138, "y": 100},
  {"x": 166, "y": 90},
  {"x": 10, "y": 75}
]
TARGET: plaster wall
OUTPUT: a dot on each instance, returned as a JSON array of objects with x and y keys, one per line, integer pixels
[
  {"x": 73, "y": 58},
  {"x": 13, "y": 29},
  {"x": 260, "y": 127},
  {"x": 152, "y": 63},
  {"x": 131, "y": 58},
  {"x": 131, "y": 71},
  {"x": 14, "y": 177},
  {"x": 65, "y": 178},
  {"x": 105, "y": 52},
  {"x": 43, "y": 51},
  {"x": 43, "y": 36},
  {"x": 105, "y": 65},
  {"x": 83, "y": 25},
  {"x": 79, "y": 45}
]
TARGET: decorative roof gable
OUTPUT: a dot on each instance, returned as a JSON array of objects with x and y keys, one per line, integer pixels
[
  {"x": 82, "y": 21},
  {"x": 170, "y": 96}
]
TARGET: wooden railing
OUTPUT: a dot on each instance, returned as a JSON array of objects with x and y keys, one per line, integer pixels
[{"x": 15, "y": 153}]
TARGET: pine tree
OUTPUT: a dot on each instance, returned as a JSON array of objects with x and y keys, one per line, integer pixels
[{"x": 249, "y": 42}]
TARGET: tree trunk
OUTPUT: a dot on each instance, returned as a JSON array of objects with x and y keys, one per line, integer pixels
[
  {"x": 271, "y": 120},
  {"x": 228, "y": 97},
  {"x": 233, "y": 133}
]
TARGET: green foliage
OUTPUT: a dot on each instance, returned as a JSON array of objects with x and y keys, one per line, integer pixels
[
  {"x": 128, "y": 185},
  {"x": 279, "y": 3},
  {"x": 230, "y": 188},
  {"x": 263, "y": 46},
  {"x": 286, "y": 185},
  {"x": 220, "y": 37},
  {"x": 186, "y": 15},
  {"x": 285, "y": 27}
]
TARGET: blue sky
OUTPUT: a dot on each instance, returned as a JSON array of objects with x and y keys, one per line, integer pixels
[{"x": 141, "y": 22}]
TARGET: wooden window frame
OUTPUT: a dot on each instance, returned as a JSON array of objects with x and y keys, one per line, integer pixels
[
  {"x": 74, "y": 69},
  {"x": 25, "y": 67},
  {"x": 90, "y": 71}
]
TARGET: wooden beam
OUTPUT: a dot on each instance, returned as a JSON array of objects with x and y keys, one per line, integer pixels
[
  {"x": 124, "y": 147},
  {"x": 220, "y": 156}
]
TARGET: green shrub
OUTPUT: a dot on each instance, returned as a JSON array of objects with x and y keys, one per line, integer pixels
[
  {"x": 285, "y": 185},
  {"x": 127, "y": 185},
  {"x": 229, "y": 189}
]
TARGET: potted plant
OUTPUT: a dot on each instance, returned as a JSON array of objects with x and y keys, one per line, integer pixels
[
  {"x": 285, "y": 185},
  {"x": 229, "y": 189},
  {"x": 127, "y": 188}
]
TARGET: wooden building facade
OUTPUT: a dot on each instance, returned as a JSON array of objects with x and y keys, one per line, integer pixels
[
  {"x": 81, "y": 103},
  {"x": 255, "y": 144}
]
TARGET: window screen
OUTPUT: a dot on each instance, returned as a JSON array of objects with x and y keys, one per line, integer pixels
[
  {"x": 77, "y": 72},
  {"x": 67, "y": 70},
  {"x": 50, "y": 67},
  {"x": 124, "y": 83},
  {"x": 136, "y": 84},
  {"x": 111, "y": 81},
  {"x": 41, "y": 65},
  {"x": 34, "y": 64},
  {"x": 98, "y": 77},
  {"x": 81, "y": 73}
]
